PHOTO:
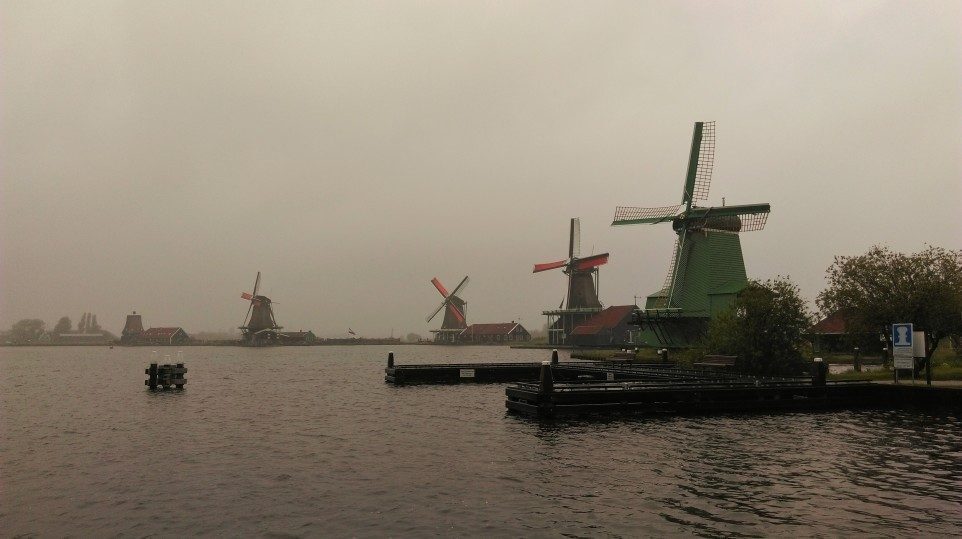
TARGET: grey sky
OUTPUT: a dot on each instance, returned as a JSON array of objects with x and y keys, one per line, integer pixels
[{"x": 156, "y": 155}]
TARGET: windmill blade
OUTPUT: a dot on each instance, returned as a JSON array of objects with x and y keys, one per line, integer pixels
[
  {"x": 701, "y": 160},
  {"x": 574, "y": 239},
  {"x": 437, "y": 284},
  {"x": 666, "y": 288},
  {"x": 436, "y": 311},
  {"x": 461, "y": 285},
  {"x": 455, "y": 311},
  {"x": 628, "y": 215},
  {"x": 591, "y": 262},
  {"x": 257, "y": 283},
  {"x": 249, "y": 308},
  {"x": 549, "y": 266},
  {"x": 743, "y": 218}
]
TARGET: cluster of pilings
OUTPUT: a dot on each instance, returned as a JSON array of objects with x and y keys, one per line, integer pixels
[{"x": 165, "y": 376}]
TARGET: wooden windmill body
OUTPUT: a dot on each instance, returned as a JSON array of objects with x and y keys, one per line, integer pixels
[
  {"x": 455, "y": 313},
  {"x": 581, "y": 300},
  {"x": 260, "y": 328}
]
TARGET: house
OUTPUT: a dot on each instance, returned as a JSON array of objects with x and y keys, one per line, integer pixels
[
  {"x": 831, "y": 334},
  {"x": 609, "y": 328},
  {"x": 296, "y": 337},
  {"x": 494, "y": 333},
  {"x": 165, "y": 336}
]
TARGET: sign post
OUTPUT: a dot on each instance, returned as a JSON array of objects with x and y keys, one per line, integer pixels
[{"x": 902, "y": 349}]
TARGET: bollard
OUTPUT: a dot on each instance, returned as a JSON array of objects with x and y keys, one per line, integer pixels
[
  {"x": 151, "y": 373},
  {"x": 856, "y": 361},
  {"x": 666, "y": 355},
  {"x": 179, "y": 380},
  {"x": 546, "y": 385},
  {"x": 554, "y": 356},
  {"x": 819, "y": 372},
  {"x": 390, "y": 360}
]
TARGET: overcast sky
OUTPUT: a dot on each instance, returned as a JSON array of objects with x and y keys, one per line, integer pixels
[{"x": 156, "y": 155}]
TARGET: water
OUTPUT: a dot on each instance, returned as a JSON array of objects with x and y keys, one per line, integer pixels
[{"x": 311, "y": 442}]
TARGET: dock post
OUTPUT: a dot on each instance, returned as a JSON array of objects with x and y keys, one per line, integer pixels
[
  {"x": 545, "y": 390},
  {"x": 152, "y": 376},
  {"x": 554, "y": 356},
  {"x": 819, "y": 372},
  {"x": 546, "y": 386},
  {"x": 856, "y": 360},
  {"x": 179, "y": 374},
  {"x": 390, "y": 360}
]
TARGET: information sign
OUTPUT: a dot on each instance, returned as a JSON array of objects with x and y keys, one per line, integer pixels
[{"x": 902, "y": 350}]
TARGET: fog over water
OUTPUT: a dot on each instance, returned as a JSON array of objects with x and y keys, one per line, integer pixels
[{"x": 155, "y": 156}]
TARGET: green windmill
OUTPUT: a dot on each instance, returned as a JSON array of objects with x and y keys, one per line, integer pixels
[{"x": 707, "y": 269}]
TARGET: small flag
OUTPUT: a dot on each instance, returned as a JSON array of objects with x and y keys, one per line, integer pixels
[
  {"x": 351, "y": 331},
  {"x": 245, "y": 295}
]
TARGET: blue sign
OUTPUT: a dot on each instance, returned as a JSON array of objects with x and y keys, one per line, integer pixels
[
  {"x": 902, "y": 335},
  {"x": 902, "y": 346}
]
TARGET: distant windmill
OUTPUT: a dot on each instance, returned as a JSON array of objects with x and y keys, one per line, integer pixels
[
  {"x": 454, "y": 312},
  {"x": 259, "y": 327},
  {"x": 707, "y": 269},
  {"x": 582, "y": 295}
]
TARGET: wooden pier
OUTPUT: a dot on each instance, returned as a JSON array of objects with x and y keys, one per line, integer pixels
[
  {"x": 554, "y": 388},
  {"x": 693, "y": 391}
]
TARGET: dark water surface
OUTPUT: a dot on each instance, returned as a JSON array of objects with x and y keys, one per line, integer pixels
[{"x": 311, "y": 442}]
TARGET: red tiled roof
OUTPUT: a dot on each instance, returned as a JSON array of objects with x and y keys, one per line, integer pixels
[
  {"x": 160, "y": 332},
  {"x": 833, "y": 324},
  {"x": 503, "y": 328},
  {"x": 606, "y": 319}
]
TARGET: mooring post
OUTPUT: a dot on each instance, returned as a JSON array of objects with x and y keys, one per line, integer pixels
[
  {"x": 856, "y": 361},
  {"x": 152, "y": 376},
  {"x": 179, "y": 374},
  {"x": 554, "y": 356},
  {"x": 546, "y": 386},
  {"x": 819, "y": 372},
  {"x": 390, "y": 360}
]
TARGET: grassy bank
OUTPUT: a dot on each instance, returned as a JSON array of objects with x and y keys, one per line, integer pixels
[{"x": 939, "y": 372}]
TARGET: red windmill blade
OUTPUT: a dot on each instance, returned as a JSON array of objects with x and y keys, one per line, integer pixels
[{"x": 449, "y": 300}]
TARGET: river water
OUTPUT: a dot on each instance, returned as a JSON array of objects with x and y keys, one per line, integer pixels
[{"x": 312, "y": 442}]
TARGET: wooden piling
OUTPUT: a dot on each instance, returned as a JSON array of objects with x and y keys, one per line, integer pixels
[
  {"x": 151, "y": 373},
  {"x": 390, "y": 360},
  {"x": 165, "y": 376},
  {"x": 554, "y": 356}
]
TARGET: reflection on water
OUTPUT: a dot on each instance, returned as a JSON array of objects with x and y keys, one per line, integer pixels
[{"x": 310, "y": 441}]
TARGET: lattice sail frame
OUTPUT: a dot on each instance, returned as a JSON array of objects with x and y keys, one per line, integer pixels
[
  {"x": 632, "y": 213},
  {"x": 706, "y": 162}
]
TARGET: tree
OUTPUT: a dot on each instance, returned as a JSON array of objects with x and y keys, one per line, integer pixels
[
  {"x": 27, "y": 330},
  {"x": 763, "y": 328},
  {"x": 64, "y": 325},
  {"x": 882, "y": 287},
  {"x": 412, "y": 337}
]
